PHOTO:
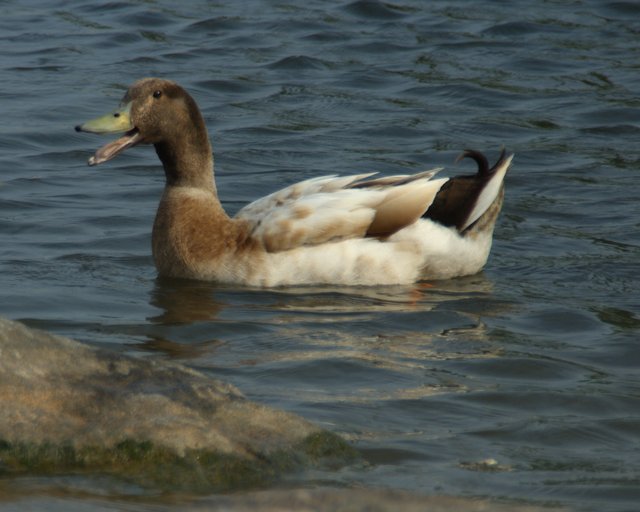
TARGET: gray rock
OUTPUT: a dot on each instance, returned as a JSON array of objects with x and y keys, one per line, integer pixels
[
  {"x": 356, "y": 500},
  {"x": 298, "y": 500},
  {"x": 69, "y": 407}
]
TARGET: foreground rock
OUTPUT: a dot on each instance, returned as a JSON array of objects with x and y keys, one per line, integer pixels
[
  {"x": 298, "y": 500},
  {"x": 67, "y": 407},
  {"x": 356, "y": 500}
]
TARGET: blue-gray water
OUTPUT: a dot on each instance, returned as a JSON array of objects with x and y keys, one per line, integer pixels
[{"x": 534, "y": 362}]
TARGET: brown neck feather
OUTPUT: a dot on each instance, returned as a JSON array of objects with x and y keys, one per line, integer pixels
[
  {"x": 187, "y": 164},
  {"x": 185, "y": 151}
]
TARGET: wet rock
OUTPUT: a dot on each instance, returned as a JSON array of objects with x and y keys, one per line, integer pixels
[
  {"x": 68, "y": 407},
  {"x": 356, "y": 500},
  {"x": 299, "y": 500}
]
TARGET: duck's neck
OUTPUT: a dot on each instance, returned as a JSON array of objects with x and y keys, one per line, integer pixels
[{"x": 188, "y": 162}]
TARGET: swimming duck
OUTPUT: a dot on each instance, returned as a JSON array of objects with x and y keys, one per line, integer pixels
[{"x": 353, "y": 230}]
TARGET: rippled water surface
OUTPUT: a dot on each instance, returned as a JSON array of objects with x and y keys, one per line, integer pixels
[{"x": 520, "y": 383}]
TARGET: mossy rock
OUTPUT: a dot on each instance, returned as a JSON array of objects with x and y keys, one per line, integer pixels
[
  {"x": 69, "y": 408},
  {"x": 149, "y": 465}
]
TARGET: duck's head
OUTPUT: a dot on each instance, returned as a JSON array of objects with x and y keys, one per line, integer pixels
[{"x": 153, "y": 111}]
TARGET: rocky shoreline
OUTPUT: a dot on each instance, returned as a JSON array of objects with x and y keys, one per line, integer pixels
[
  {"x": 73, "y": 410},
  {"x": 68, "y": 407}
]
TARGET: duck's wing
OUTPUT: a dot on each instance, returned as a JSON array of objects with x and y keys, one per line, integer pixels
[{"x": 330, "y": 208}]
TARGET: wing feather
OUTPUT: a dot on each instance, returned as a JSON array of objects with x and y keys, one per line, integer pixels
[
  {"x": 404, "y": 205},
  {"x": 330, "y": 208},
  {"x": 396, "y": 180}
]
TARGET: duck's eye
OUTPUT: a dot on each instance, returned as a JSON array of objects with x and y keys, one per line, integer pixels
[{"x": 157, "y": 94}]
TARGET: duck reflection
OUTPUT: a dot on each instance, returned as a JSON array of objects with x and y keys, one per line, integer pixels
[
  {"x": 422, "y": 296},
  {"x": 184, "y": 301},
  {"x": 182, "y": 329},
  {"x": 194, "y": 316}
]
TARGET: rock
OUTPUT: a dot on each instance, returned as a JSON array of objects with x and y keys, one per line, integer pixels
[
  {"x": 68, "y": 407},
  {"x": 299, "y": 500},
  {"x": 356, "y": 500}
]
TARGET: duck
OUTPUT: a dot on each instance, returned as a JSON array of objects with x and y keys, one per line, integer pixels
[{"x": 354, "y": 230}]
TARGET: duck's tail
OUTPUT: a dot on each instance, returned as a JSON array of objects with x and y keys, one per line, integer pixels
[{"x": 463, "y": 200}]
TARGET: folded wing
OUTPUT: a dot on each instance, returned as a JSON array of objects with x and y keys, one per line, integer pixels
[{"x": 330, "y": 209}]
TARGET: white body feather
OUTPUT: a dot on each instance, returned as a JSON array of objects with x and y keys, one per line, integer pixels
[{"x": 422, "y": 250}]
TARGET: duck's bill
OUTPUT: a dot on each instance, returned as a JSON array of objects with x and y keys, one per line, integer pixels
[{"x": 117, "y": 122}]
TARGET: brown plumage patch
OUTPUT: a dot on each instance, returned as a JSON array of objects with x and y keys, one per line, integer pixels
[
  {"x": 191, "y": 230},
  {"x": 166, "y": 116},
  {"x": 301, "y": 212}
]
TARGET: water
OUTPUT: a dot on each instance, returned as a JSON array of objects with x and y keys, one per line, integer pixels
[{"x": 533, "y": 363}]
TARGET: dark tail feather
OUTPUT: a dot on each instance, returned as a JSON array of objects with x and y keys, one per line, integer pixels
[
  {"x": 479, "y": 158},
  {"x": 463, "y": 199}
]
